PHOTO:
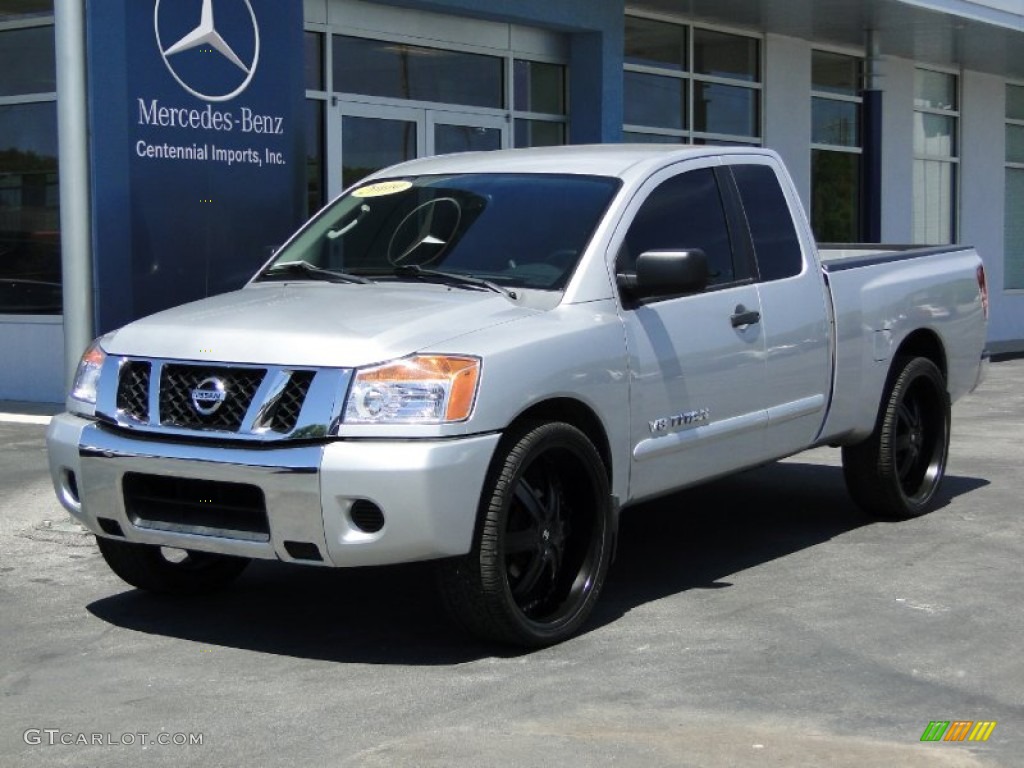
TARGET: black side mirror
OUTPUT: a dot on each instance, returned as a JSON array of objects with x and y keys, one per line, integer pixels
[{"x": 666, "y": 273}]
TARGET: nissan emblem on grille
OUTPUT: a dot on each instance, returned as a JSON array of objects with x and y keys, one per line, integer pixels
[{"x": 209, "y": 395}]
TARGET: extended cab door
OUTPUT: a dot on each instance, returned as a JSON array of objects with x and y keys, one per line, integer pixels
[
  {"x": 696, "y": 362},
  {"x": 794, "y": 305}
]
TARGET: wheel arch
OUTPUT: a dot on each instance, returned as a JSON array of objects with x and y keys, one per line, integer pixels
[
  {"x": 577, "y": 414},
  {"x": 923, "y": 342}
]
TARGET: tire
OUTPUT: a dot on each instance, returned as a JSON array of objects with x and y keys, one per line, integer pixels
[
  {"x": 154, "y": 569},
  {"x": 895, "y": 473},
  {"x": 543, "y": 540}
]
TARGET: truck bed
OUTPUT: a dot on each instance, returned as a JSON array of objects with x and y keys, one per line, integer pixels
[{"x": 870, "y": 284}]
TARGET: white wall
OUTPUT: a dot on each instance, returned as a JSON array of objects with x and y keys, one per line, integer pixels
[
  {"x": 787, "y": 107},
  {"x": 33, "y": 349},
  {"x": 897, "y": 82},
  {"x": 983, "y": 197}
]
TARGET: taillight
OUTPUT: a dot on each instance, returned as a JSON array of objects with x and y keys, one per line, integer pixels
[{"x": 983, "y": 287}]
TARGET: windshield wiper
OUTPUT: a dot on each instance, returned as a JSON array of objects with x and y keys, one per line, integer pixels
[
  {"x": 452, "y": 278},
  {"x": 311, "y": 271}
]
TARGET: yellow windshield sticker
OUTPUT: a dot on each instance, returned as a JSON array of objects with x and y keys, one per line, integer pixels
[{"x": 382, "y": 188}]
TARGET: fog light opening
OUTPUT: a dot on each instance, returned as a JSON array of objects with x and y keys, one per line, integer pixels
[
  {"x": 303, "y": 550},
  {"x": 110, "y": 527},
  {"x": 71, "y": 485},
  {"x": 366, "y": 516}
]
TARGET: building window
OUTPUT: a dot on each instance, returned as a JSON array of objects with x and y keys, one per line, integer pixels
[
  {"x": 684, "y": 84},
  {"x": 1013, "y": 231},
  {"x": 539, "y": 102},
  {"x": 395, "y": 101},
  {"x": 835, "y": 147},
  {"x": 411, "y": 72},
  {"x": 936, "y": 115},
  {"x": 30, "y": 266}
]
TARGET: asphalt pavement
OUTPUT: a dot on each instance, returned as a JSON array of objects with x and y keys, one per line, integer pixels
[{"x": 759, "y": 620}]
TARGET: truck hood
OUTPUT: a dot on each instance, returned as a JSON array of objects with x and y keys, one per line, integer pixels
[{"x": 315, "y": 324}]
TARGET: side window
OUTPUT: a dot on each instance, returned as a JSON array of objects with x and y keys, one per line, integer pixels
[
  {"x": 776, "y": 245},
  {"x": 683, "y": 212}
]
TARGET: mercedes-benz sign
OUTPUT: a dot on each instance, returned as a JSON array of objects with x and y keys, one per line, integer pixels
[{"x": 207, "y": 34}]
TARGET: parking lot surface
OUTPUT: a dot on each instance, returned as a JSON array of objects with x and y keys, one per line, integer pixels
[{"x": 758, "y": 620}]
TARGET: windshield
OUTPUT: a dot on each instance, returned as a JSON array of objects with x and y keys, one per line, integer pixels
[{"x": 517, "y": 230}]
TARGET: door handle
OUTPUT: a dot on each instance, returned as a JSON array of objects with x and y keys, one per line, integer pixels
[{"x": 743, "y": 317}]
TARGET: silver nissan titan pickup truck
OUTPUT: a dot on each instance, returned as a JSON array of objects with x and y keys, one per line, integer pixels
[{"x": 482, "y": 359}]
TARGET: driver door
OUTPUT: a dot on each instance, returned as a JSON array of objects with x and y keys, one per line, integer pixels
[{"x": 696, "y": 401}]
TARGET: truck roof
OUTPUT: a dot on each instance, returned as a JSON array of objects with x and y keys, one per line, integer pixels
[{"x": 618, "y": 160}]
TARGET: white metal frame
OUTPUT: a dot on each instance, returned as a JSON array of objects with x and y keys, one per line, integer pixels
[{"x": 954, "y": 158}]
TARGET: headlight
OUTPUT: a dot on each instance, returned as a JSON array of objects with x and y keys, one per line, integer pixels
[
  {"x": 424, "y": 389},
  {"x": 87, "y": 377}
]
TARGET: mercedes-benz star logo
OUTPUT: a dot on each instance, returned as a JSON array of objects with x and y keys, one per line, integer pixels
[
  {"x": 209, "y": 395},
  {"x": 206, "y": 34}
]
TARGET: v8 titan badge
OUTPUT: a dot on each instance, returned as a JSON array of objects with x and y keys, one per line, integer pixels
[{"x": 215, "y": 60}]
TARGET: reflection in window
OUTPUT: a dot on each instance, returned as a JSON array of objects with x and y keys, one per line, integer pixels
[
  {"x": 1013, "y": 236},
  {"x": 725, "y": 109},
  {"x": 369, "y": 144},
  {"x": 400, "y": 71},
  {"x": 29, "y": 210},
  {"x": 655, "y": 43},
  {"x": 539, "y": 133},
  {"x": 684, "y": 84},
  {"x": 935, "y": 156},
  {"x": 835, "y": 196},
  {"x": 654, "y": 100},
  {"x": 724, "y": 55},
  {"x": 25, "y": 9},
  {"x": 539, "y": 87},
  {"x": 836, "y": 147},
  {"x": 27, "y": 61},
  {"x": 539, "y": 97},
  {"x": 465, "y": 138},
  {"x": 835, "y": 73},
  {"x": 934, "y": 90},
  {"x": 314, "y": 56},
  {"x": 1013, "y": 228},
  {"x": 835, "y": 122}
]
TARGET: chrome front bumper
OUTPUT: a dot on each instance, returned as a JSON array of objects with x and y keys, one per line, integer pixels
[{"x": 427, "y": 490}]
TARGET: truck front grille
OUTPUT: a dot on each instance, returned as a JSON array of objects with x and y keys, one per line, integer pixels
[
  {"x": 201, "y": 507},
  {"x": 218, "y": 401},
  {"x": 133, "y": 390},
  {"x": 177, "y": 408},
  {"x": 285, "y": 412}
]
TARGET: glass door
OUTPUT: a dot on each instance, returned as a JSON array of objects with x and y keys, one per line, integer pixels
[
  {"x": 449, "y": 132},
  {"x": 375, "y": 136}
]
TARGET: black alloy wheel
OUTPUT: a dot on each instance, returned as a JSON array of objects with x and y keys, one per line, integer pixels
[
  {"x": 543, "y": 542},
  {"x": 896, "y": 472}
]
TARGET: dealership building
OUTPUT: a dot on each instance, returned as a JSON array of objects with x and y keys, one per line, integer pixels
[{"x": 156, "y": 151}]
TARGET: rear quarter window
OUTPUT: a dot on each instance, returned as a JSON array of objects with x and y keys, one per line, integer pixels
[{"x": 776, "y": 244}]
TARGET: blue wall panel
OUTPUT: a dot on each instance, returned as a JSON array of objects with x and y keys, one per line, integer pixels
[{"x": 196, "y": 136}]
